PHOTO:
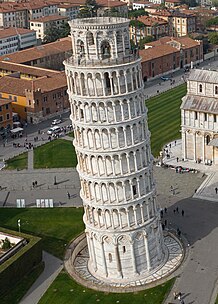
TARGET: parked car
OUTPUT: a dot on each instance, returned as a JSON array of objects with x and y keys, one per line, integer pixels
[
  {"x": 164, "y": 78},
  {"x": 56, "y": 122},
  {"x": 54, "y": 130}
]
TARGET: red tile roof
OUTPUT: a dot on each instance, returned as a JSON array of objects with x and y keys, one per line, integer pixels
[
  {"x": 62, "y": 45},
  {"x": 49, "y": 18},
  {"x": 150, "y": 21},
  {"x": 11, "y": 31},
  {"x": 18, "y": 86}
]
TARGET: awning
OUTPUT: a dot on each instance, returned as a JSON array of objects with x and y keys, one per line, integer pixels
[
  {"x": 213, "y": 142},
  {"x": 16, "y": 130}
]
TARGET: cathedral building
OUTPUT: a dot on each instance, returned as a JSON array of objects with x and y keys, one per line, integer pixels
[{"x": 199, "y": 117}]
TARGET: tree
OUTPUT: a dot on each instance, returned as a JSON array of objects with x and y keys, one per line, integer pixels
[
  {"x": 144, "y": 40},
  {"x": 64, "y": 30},
  {"x": 137, "y": 13},
  {"x": 215, "y": 3},
  {"x": 190, "y": 3},
  {"x": 52, "y": 33},
  {"x": 112, "y": 12},
  {"x": 213, "y": 21},
  {"x": 89, "y": 9},
  {"x": 6, "y": 244},
  {"x": 213, "y": 38}
]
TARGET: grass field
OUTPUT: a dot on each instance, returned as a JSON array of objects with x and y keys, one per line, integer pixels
[
  {"x": 18, "y": 291},
  {"x": 57, "y": 227},
  {"x": 164, "y": 117},
  {"x": 58, "y": 153},
  {"x": 66, "y": 291},
  {"x": 18, "y": 162}
]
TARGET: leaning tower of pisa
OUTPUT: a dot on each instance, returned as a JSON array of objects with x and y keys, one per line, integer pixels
[{"x": 112, "y": 143}]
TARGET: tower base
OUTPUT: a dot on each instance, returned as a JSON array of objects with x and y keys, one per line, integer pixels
[{"x": 76, "y": 264}]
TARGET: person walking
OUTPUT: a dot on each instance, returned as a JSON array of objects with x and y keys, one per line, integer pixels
[
  {"x": 216, "y": 190},
  {"x": 68, "y": 194},
  {"x": 183, "y": 212},
  {"x": 177, "y": 209},
  {"x": 175, "y": 295}
]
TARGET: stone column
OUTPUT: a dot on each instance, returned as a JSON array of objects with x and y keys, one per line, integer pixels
[
  {"x": 117, "y": 256},
  {"x": 133, "y": 258},
  {"x": 93, "y": 254},
  {"x": 147, "y": 253},
  {"x": 203, "y": 148},
  {"x": 103, "y": 259}
]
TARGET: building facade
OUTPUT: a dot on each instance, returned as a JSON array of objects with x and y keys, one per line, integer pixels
[
  {"x": 41, "y": 25},
  {"x": 149, "y": 26},
  {"x": 16, "y": 39},
  {"x": 199, "y": 117},
  {"x": 6, "y": 120},
  {"x": 112, "y": 142},
  {"x": 169, "y": 54}
]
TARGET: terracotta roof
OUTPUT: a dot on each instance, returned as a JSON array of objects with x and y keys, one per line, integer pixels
[
  {"x": 109, "y": 3},
  {"x": 11, "y": 31},
  {"x": 173, "y": 1},
  {"x": 25, "y": 69},
  {"x": 17, "y": 86},
  {"x": 185, "y": 42},
  {"x": 174, "y": 13},
  {"x": 4, "y": 101},
  {"x": 62, "y": 45},
  {"x": 74, "y": 2},
  {"x": 156, "y": 52},
  {"x": 152, "y": 20},
  {"x": 12, "y": 7},
  {"x": 38, "y": 4},
  {"x": 49, "y": 18}
]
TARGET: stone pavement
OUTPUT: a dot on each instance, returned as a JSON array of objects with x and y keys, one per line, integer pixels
[
  {"x": 30, "y": 159},
  {"x": 207, "y": 190},
  {"x": 197, "y": 278},
  {"x": 19, "y": 185},
  {"x": 52, "y": 268}
]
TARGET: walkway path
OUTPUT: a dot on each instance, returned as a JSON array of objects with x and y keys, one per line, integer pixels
[
  {"x": 52, "y": 268},
  {"x": 30, "y": 159}
]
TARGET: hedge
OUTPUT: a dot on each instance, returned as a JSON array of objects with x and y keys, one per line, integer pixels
[{"x": 14, "y": 269}]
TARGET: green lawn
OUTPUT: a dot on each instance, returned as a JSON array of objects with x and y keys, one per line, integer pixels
[
  {"x": 71, "y": 134},
  {"x": 57, "y": 227},
  {"x": 17, "y": 162},
  {"x": 58, "y": 153},
  {"x": 20, "y": 289},
  {"x": 164, "y": 117},
  {"x": 64, "y": 290}
]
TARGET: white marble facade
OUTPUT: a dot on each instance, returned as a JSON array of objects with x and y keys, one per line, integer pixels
[
  {"x": 199, "y": 117},
  {"x": 112, "y": 143}
]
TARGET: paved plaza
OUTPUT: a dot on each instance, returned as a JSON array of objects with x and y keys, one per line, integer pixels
[{"x": 198, "y": 275}]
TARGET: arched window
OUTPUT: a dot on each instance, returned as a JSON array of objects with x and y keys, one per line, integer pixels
[
  {"x": 110, "y": 257},
  {"x": 207, "y": 139},
  {"x": 216, "y": 89},
  {"x": 80, "y": 48},
  {"x": 105, "y": 49},
  {"x": 90, "y": 38},
  {"x": 200, "y": 88}
]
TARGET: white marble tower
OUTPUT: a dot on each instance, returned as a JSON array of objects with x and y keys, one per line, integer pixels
[{"x": 112, "y": 142}]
